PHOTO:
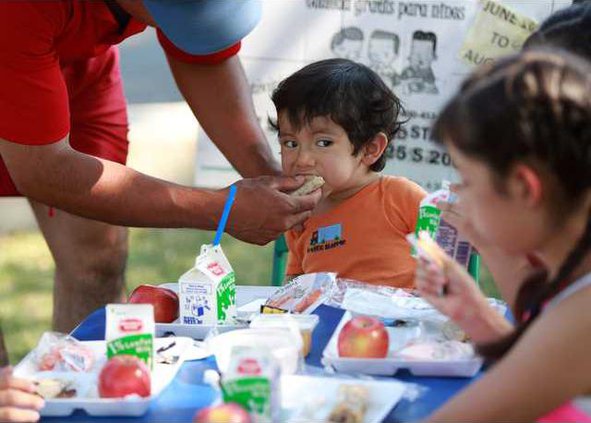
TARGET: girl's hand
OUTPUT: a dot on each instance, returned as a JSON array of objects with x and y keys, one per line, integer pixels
[
  {"x": 18, "y": 401},
  {"x": 452, "y": 291}
]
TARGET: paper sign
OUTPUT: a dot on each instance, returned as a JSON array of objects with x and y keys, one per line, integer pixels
[{"x": 497, "y": 31}]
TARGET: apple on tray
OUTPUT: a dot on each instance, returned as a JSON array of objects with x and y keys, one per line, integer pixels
[
  {"x": 165, "y": 302},
  {"x": 223, "y": 413},
  {"x": 363, "y": 337},
  {"x": 124, "y": 375}
]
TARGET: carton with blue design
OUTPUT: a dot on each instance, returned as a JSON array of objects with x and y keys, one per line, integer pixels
[{"x": 207, "y": 292}]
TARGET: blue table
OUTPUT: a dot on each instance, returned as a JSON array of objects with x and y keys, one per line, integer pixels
[{"x": 187, "y": 393}]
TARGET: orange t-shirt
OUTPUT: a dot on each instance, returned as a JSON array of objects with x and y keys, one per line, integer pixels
[{"x": 362, "y": 238}]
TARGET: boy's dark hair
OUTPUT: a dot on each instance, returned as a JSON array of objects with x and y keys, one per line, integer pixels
[
  {"x": 568, "y": 28},
  {"x": 426, "y": 36},
  {"x": 348, "y": 33},
  {"x": 385, "y": 35},
  {"x": 350, "y": 94}
]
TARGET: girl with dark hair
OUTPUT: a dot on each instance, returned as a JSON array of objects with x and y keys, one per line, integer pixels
[{"x": 519, "y": 133}]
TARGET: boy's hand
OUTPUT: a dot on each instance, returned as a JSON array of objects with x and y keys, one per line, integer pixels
[{"x": 18, "y": 401}]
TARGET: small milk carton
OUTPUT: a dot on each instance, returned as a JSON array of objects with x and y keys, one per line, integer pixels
[
  {"x": 253, "y": 381},
  {"x": 446, "y": 236},
  {"x": 129, "y": 330},
  {"x": 207, "y": 292}
]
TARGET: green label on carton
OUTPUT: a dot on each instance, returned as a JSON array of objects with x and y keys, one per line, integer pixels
[
  {"x": 140, "y": 345},
  {"x": 428, "y": 220},
  {"x": 226, "y": 296},
  {"x": 253, "y": 393}
]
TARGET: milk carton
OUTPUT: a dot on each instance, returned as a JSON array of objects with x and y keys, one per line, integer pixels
[
  {"x": 253, "y": 381},
  {"x": 442, "y": 232},
  {"x": 207, "y": 292},
  {"x": 129, "y": 330}
]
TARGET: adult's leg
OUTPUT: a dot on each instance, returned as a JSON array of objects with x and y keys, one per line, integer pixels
[
  {"x": 90, "y": 259},
  {"x": 90, "y": 256},
  {"x": 3, "y": 352}
]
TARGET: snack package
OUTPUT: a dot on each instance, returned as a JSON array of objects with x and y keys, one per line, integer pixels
[
  {"x": 207, "y": 292},
  {"x": 446, "y": 236},
  {"x": 252, "y": 380},
  {"x": 302, "y": 295},
  {"x": 61, "y": 353},
  {"x": 129, "y": 330}
]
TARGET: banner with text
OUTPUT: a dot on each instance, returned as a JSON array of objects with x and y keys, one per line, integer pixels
[{"x": 421, "y": 49}]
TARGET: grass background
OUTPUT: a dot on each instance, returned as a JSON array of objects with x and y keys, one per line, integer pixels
[{"x": 156, "y": 256}]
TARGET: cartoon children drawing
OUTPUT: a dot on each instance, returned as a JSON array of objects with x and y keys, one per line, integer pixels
[
  {"x": 347, "y": 43},
  {"x": 418, "y": 77},
  {"x": 382, "y": 51}
]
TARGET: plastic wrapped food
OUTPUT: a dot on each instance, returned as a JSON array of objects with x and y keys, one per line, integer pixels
[
  {"x": 59, "y": 352},
  {"x": 303, "y": 294}
]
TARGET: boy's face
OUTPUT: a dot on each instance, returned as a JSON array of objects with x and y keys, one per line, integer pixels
[{"x": 320, "y": 148}]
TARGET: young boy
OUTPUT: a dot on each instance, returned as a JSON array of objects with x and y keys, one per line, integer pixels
[{"x": 335, "y": 119}]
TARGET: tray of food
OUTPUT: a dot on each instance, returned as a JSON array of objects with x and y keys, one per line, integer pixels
[
  {"x": 333, "y": 399},
  {"x": 378, "y": 346},
  {"x": 74, "y": 375}
]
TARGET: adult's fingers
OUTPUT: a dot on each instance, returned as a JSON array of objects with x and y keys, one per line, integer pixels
[
  {"x": 306, "y": 202},
  {"x": 286, "y": 183},
  {"x": 298, "y": 219},
  {"x": 12, "y": 414}
]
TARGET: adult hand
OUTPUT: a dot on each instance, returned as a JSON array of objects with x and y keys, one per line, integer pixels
[
  {"x": 452, "y": 291},
  {"x": 263, "y": 211},
  {"x": 18, "y": 401}
]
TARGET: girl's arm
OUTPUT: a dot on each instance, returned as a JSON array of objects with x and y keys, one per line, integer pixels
[{"x": 547, "y": 367}]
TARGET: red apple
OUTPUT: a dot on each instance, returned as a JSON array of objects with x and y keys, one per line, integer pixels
[
  {"x": 165, "y": 302},
  {"x": 124, "y": 375},
  {"x": 223, "y": 413},
  {"x": 363, "y": 337}
]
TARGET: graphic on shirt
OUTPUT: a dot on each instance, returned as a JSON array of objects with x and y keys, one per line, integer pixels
[{"x": 326, "y": 237}]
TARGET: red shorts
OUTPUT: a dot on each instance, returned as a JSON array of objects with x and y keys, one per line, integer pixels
[{"x": 98, "y": 113}]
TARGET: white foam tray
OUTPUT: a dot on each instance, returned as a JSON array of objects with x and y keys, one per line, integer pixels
[
  {"x": 311, "y": 398},
  {"x": 247, "y": 299},
  {"x": 161, "y": 376},
  {"x": 390, "y": 365}
]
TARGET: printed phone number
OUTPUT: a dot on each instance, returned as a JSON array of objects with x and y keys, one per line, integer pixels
[{"x": 418, "y": 155}]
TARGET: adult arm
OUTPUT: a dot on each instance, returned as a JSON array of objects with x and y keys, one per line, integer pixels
[
  {"x": 87, "y": 186},
  {"x": 547, "y": 367},
  {"x": 221, "y": 100}
]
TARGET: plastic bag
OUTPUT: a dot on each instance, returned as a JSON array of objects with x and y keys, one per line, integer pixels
[
  {"x": 59, "y": 352},
  {"x": 302, "y": 295}
]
